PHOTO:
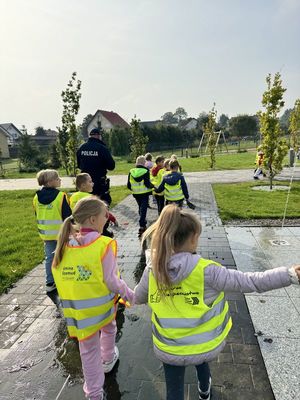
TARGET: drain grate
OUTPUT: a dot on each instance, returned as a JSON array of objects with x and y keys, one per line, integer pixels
[{"x": 279, "y": 242}]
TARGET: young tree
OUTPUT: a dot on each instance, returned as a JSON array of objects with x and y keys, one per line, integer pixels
[
  {"x": 28, "y": 152},
  {"x": 209, "y": 129},
  {"x": 68, "y": 133},
  {"x": 54, "y": 161},
  {"x": 273, "y": 144},
  {"x": 119, "y": 141},
  {"x": 138, "y": 140},
  {"x": 294, "y": 126}
]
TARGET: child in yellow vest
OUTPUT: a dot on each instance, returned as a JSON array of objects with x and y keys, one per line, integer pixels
[
  {"x": 156, "y": 178},
  {"x": 190, "y": 316},
  {"x": 51, "y": 208},
  {"x": 84, "y": 185},
  {"x": 87, "y": 280}
]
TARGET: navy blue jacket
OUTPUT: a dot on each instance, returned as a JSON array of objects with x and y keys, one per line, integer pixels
[
  {"x": 172, "y": 179},
  {"x": 94, "y": 158}
]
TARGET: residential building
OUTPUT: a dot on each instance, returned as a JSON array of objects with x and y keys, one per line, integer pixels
[
  {"x": 13, "y": 133},
  {"x": 4, "y": 151},
  {"x": 108, "y": 120}
]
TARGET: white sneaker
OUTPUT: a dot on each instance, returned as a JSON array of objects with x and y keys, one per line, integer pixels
[
  {"x": 108, "y": 365},
  {"x": 204, "y": 395}
]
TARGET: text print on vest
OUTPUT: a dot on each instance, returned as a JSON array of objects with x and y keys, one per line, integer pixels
[
  {"x": 79, "y": 273},
  {"x": 175, "y": 291},
  {"x": 89, "y": 153}
]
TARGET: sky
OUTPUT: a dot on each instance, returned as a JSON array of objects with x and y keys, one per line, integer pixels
[{"x": 144, "y": 57}]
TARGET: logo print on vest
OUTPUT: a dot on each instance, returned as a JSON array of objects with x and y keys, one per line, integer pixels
[
  {"x": 84, "y": 274},
  {"x": 192, "y": 300}
]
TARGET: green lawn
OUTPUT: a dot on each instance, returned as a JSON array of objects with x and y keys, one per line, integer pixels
[
  {"x": 223, "y": 161},
  {"x": 238, "y": 201},
  {"x": 21, "y": 248}
]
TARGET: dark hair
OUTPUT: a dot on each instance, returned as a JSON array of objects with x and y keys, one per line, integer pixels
[
  {"x": 159, "y": 159},
  {"x": 174, "y": 164},
  {"x": 96, "y": 131}
]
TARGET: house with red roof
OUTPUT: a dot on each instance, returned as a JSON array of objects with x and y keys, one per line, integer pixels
[{"x": 107, "y": 120}]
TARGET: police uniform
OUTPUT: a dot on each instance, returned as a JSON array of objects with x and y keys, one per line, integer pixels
[{"x": 94, "y": 158}]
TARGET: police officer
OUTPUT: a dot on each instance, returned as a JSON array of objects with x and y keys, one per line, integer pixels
[{"x": 94, "y": 158}]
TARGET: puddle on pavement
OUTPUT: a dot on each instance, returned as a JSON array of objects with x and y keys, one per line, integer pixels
[
  {"x": 67, "y": 357},
  {"x": 139, "y": 269}
]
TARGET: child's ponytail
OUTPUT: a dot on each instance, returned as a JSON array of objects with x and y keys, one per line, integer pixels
[
  {"x": 63, "y": 239},
  {"x": 172, "y": 229}
]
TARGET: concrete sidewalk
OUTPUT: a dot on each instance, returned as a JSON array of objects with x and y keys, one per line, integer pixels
[
  {"x": 37, "y": 358},
  {"x": 225, "y": 176},
  {"x": 275, "y": 314}
]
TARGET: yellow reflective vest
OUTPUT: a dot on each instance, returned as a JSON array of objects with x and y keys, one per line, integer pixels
[
  {"x": 87, "y": 303},
  {"x": 174, "y": 192},
  {"x": 157, "y": 180},
  {"x": 49, "y": 217},
  {"x": 76, "y": 197},
  {"x": 138, "y": 187},
  {"x": 182, "y": 324}
]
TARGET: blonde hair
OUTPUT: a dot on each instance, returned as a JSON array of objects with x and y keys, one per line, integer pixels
[
  {"x": 167, "y": 163},
  {"x": 173, "y": 157},
  {"x": 140, "y": 160},
  {"x": 172, "y": 229},
  {"x": 84, "y": 209},
  {"x": 81, "y": 179},
  {"x": 46, "y": 175}
]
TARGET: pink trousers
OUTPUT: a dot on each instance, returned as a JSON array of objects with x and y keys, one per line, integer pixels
[{"x": 97, "y": 348}]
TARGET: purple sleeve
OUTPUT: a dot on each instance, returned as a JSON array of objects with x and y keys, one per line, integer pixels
[
  {"x": 223, "y": 279},
  {"x": 141, "y": 289},
  {"x": 113, "y": 282}
]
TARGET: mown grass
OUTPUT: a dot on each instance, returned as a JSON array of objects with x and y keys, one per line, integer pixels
[
  {"x": 223, "y": 161},
  {"x": 21, "y": 249},
  {"x": 239, "y": 201}
]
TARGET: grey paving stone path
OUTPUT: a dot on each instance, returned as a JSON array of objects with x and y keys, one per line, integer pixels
[
  {"x": 225, "y": 176},
  {"x": 276, "y": 314},
  {"x": 37, "y": 358}
]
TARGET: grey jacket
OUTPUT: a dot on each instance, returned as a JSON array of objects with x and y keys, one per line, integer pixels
[{"x": 216, "y": 279}]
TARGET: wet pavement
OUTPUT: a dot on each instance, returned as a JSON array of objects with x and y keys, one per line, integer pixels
[
  {"x": 275, "y": 314},
  {"x": 37, "y": 359}
]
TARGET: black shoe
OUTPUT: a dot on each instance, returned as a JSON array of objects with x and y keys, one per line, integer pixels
[
  {"x": 255, "y": 177},
  {"x": 142, "y": 230},
  {"x": 108, "y": 233},
  {"x": 205, "y": 395}
]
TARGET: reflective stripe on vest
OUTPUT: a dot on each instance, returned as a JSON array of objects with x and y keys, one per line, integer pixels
[
  {"x": 87, "y": 322},
  {"x": 174, "y": 192},
  {"x": 80, "y": 304},
  {"x": 182, "y": 324},
  {"x": 48, "y": 216},
  {"x": 200, "y": 338},
  {"x": 138, "y": 187},
  {"x": 87, "y": 303}
]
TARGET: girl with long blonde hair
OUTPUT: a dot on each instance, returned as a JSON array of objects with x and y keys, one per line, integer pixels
[
  {"x": 88, "y": 283},
  {"x": 190, "y": 316}
]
